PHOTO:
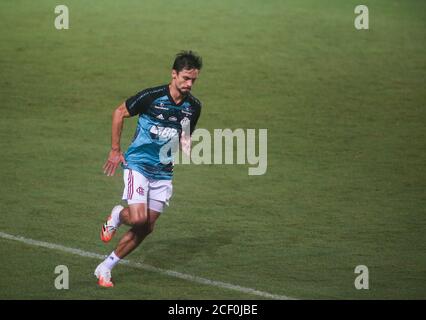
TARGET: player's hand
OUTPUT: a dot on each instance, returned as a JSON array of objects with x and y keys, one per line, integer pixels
[
  {"x": 115, "y": 157},
  {"x": 185, "y": 143}
]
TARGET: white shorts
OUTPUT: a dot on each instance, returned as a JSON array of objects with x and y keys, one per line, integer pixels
[{"x": 140, "y": 189}]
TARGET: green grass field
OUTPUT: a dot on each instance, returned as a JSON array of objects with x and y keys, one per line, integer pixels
[{"x": 345, "y": 113}]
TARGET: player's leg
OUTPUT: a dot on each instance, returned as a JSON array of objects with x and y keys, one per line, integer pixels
[
  {"x": 125, "y": 217},
  {"x": 142, "y": 222},
  {"x": 119, "y": 215},
  {"x": 136, "y": 215},
  {"x": 135, "y": 192},
  {"x": 112, "y": 223},
  {"x": 143, "y": 226},
  {"x": 141, "y": 219}
]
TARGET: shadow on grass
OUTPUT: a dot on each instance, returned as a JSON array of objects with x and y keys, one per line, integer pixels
[{"x": 184, "y": 250}]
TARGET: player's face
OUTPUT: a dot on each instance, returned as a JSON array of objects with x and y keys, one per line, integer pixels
[{"x": 184, "y": 79}]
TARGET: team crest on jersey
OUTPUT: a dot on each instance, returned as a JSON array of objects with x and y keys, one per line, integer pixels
[
  {"x": 172, "y": 118},
  {"x": 184, "y": 122},
  {"x": 140, "y": 190}
]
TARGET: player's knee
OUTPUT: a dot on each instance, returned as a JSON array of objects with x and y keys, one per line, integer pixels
[
  {"x": 139, "y": 219},
  {"x": 148, "y": 228},
  {"x": 144, "y": 229},
  {"x": 138, "y": 216}
]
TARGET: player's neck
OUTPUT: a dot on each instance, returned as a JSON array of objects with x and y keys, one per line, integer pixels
[{"x": 175, "y": 94}]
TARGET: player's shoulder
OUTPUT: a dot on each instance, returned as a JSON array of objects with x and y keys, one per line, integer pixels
[
  {"x": 142, "y": 100},
  {"x": 194, "y": 101},
  {"x": 153, "y": 91}
]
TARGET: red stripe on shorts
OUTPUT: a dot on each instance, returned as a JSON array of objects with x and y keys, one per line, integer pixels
[{"x": 130, "y": 185}]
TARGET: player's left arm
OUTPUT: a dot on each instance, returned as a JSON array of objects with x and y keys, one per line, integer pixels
[
  {"x": 185, "y": 139},
  {"x": 194, "y": 121}
]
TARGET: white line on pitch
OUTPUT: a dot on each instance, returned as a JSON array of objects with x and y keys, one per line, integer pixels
[{"x": 144, "y": 266}]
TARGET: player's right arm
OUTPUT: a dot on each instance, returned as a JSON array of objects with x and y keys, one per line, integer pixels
[
  {"x": 115, "y": 156},
  {"x": 131, "y": 107}
]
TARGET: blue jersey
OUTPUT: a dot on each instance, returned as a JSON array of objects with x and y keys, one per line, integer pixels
[{"x": 160, "y": 121}]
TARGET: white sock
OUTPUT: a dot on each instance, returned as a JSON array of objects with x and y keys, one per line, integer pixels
[
  {"x": 116, "y": 218},
  {"x": 111, "y": 260}
]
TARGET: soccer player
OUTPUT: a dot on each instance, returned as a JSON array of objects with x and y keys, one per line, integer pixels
[{"x": 167, "y": 114}]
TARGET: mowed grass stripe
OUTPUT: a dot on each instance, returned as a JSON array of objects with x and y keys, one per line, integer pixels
[{"x": 143, "y": 266}]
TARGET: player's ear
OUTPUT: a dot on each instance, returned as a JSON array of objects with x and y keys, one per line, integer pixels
[{"x": 174, "y": 74}]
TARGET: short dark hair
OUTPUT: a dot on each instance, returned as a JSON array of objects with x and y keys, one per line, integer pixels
[{"x": 187, "y": 60}]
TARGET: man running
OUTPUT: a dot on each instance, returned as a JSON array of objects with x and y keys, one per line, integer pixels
[{"x": 167, "y": 113}]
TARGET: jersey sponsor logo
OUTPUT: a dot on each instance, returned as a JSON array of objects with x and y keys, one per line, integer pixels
[
  {"x": 160, "y": 116},
  {"x": 162, "y": 133},
  {"x": 161, "y": 107},
  {"x": 187, "y": 113}
]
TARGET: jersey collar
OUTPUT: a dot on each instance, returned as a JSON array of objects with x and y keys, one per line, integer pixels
[{"x": 172, "y": 100}]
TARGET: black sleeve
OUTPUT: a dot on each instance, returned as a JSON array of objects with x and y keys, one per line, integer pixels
[
  {"x": 139, "y": 103},
  {"x": 195, "y": 118}
]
